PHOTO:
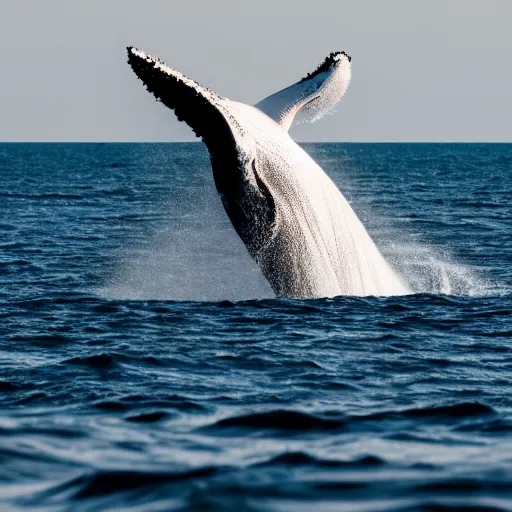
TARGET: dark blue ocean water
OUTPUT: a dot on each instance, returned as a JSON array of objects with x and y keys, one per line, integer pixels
[{"x": 144, "y": 364}]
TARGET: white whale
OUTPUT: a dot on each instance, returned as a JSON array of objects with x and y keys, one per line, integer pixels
[{"x": 294, "y": 221}]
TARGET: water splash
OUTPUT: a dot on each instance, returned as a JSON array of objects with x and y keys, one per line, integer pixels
[
  {"x": 431, "y": 270},
  {"x": 203, "y": 259},
  {"x": 195, "y": 254},
  {"x": 185, "y": 265}
]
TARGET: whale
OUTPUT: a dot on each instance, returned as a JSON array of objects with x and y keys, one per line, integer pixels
[{"x": 294, "y": 221}]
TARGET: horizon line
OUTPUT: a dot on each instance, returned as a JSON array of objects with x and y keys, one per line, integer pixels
[{"x": 297, "y": 141}]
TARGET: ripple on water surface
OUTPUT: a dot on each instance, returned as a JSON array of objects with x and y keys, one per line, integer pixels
[{"x": 145, "y": 365}]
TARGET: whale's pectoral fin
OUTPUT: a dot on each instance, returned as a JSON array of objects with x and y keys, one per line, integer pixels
[
  {"x": 201, "y": 108},
  {"x": 314, "y": 96},
  {"x": 246, "y": 197}
]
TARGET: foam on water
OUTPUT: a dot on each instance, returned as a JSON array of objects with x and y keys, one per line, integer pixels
[{"x": 188, "y": 265}]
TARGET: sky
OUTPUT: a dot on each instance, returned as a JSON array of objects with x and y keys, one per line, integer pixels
[{"x": 421, "y": 71}]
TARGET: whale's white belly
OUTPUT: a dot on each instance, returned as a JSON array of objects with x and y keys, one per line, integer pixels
[{"x": 319, "y": 244}]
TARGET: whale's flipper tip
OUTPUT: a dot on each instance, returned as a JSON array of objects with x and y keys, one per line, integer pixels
[
  {"x": 315, "y": 95},
  {"x": 132, "y": 52},
  {"x": 333, "y": 60},
  {"x": 200, "y": 107}
]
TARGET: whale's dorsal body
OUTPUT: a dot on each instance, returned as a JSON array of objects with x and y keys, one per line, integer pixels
[{"x": 293, "y": 220}]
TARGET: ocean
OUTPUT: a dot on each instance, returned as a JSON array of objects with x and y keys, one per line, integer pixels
[{"x": 145, "y": 364}]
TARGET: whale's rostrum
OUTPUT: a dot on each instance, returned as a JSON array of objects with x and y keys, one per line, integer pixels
[{"x": 293, "y": 220}]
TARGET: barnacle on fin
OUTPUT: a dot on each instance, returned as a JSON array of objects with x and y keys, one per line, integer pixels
[{"x": 329, "y": 61}]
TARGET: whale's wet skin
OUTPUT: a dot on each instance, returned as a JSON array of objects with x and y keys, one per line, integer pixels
[{"x": 293, "y": 220}]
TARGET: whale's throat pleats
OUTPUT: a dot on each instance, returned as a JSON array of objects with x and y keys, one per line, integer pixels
[{"x": 250, "y": 206}]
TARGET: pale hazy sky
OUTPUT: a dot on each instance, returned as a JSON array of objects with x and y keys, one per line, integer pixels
[{"x": 438, "y": 70}]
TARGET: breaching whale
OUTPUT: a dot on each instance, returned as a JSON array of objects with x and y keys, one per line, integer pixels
[{"x": 292, "y": 218}]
